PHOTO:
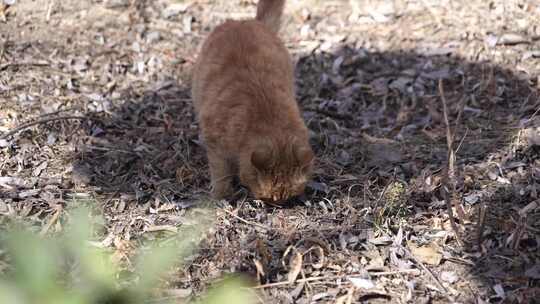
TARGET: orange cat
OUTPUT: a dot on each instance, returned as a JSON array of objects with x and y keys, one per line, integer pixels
[{"x": 249, "y": 119}]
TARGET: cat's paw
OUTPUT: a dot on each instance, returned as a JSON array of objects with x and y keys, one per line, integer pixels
[{"x": 221, "y": 191}]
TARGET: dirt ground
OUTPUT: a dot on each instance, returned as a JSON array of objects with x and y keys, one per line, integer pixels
[{"x": 107, "y": 83}]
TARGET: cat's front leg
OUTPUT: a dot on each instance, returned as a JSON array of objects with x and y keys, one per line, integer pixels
[{"x": 221, "y": 176}]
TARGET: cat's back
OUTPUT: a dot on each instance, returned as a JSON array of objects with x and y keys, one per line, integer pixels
[
  {"x": 239, "y": 41},
  {"x": 243, "y": 84},
  {"x": 239, "y": 52}
]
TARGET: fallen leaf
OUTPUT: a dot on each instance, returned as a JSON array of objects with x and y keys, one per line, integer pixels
[
  {"x": 382, "y": 155},
  {"x": 499, "y": 290},
  {"x": 383, "y": 240},
  {"x": 426, "y": 254},
  {"x": 512, "y": 39},
  {"x": 260, "y": 269},
  {"x": 362, "y": 283},
  {"x": 175, "y": 9},
  {"x": 321, "y": 187},
  {"x": 532, "y": 136},
  {"x": 449, "y": 276},
  {"x": 320, "y": 257},
  {"x": 37, "y": 170},
  {"x": 295, "y": 266},
  {"x": 533, "y": 272},
  {"x": 29, "y": 193},
  {"x": 527, "y": 209},
  {"x": 265, "y": 257}
]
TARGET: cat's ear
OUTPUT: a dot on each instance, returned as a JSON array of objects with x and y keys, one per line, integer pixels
[
  {"x": 261, "y": 157},
  {"x": 303, "y": 154}
]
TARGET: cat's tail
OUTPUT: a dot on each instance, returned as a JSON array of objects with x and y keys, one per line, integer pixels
[{"x": 269, "y": 12}]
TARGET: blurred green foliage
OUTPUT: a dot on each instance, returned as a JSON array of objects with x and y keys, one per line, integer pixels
[{"x": 67, "y": 269}]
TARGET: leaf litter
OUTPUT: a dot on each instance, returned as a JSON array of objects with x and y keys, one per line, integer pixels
[{"x": 373, "y": 226}]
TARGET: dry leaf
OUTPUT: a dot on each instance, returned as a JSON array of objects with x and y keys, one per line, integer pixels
[
  {"x": 449, "y": 276},
  {"x": 527, "y": 209},
  {"x": 320, "y": 256},
  {"x": 260, "y": 269},
  {"x": 362, "y": 283},
  {"x": 123, "y": 250},
  {"x": 533, "y": 272},
  {"x": 532, "y": 135},
  {"x": 512, "y": 39},
  {"x": 263, "y": 251},
  {"x": 295, "y": 266},
  {"x": 426, "y": 254}
]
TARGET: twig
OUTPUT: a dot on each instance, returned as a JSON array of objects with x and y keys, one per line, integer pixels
[
  {"x": 459, "y": 207},
  {"x": 37, "y": 122},
  {"x": 15, "y": 64},
  {"x": 169, "y": 228},
  {"x": 449, "y": 182},
  {"x": 481, "y": 224},
  {"x": 334, "y": 277},
  {"x": 518, "y": 233},
  {"x": 109, "y": 149},
  {"x": 340, "y": 116},
  {"x": 246, "y": 221},
  {"x": 419, "y": 263},
  {"x": 52, "y": 221},
  {"x": 49, "y": 10},
  {"x": 3, "y": 48}
]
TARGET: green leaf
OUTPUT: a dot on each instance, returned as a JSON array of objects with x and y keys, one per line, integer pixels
[
  {"x": 231, "y": 290},
  {"x": 10, "y": 294},
  {"x": 36, "y": 262},
  {"x": 97, "y": 272},
  {"x": 152, "y": 265}
]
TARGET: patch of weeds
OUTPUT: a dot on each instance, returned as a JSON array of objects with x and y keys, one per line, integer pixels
[
  {"x": 66, "y": 268},
  {"x": 394, "y": 209}
]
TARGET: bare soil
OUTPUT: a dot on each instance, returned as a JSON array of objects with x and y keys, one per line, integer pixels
[{"x": 108, "y": 83}]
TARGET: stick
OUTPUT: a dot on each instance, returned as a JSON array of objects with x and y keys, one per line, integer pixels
[
  {"x": 481, "y": 225},
  {"x": 334, "y": 277},
  {"x": 330, "y": 113},
  {"x": 14, "y": 64},
  {"x": 449, "y": 187},
  {"x": 52, "y": 221},
  {"x": 37, "y": 122},
  {"x": 246, "y": 221},
  {"x": 49, "y": 10},
  {"x": 419, "y": 263}
]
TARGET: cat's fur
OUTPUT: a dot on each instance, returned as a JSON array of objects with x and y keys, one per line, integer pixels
[{"x": 249, "y": 119}]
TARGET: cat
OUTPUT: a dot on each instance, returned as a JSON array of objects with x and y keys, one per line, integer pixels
[{"x": 249, "y": 119}]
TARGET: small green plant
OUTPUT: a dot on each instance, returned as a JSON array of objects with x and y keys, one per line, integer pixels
[
  {"x": 395, "y": 204},
  {"x": 66, "y": 269}
]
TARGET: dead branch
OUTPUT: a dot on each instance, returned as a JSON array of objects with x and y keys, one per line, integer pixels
[
  {"x": 52, "y": 221},
  {"x": 449, "y": 181},
  {"x": 20, "y": 64},
  {"x": 246, "y": 221},
  {"x": 335, "y": 115},
  {"x": 335, "y": 277},
  {"x": 419, "y": 263},
  {"x": 38, "y": 122},
  {"x": 481, "y": 225}
]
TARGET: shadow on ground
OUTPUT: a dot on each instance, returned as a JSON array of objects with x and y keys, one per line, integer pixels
[{"x": 378, "y": 131}]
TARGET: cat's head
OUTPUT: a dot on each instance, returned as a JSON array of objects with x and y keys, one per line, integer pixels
[{"x": 277, "y": 171}]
